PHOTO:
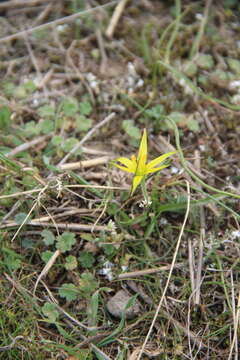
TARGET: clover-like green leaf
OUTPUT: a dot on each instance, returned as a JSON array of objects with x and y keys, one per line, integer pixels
[
  {"x": 46, "y": 255},
  {"x": 68, "y": 291},
  {"x": 50, "y": 311},
  {"x": 71, "y": 262},
  {"x": 48, "y": 237},
  {"x": 65, "y": 241},
  {"x": 86, "y": 259}
]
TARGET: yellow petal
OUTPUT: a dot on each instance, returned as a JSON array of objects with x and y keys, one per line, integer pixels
[
  {"x": 136, "y": 181},
  {"x": 151, "y": 171},
  {"x": 158, "y": 160},
  {"x": 142, "y": 155},
  {"x": 130, "y": 164},
  {"x": 123, "y": 168}
]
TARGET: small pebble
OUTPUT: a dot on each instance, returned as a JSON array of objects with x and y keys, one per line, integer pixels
[{"x": 117, "y": 304}]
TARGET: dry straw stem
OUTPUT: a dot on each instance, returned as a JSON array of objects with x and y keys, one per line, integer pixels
[
  {"x": 87, "y": 136},
  {"x": 134, "y": 274},
  {"x": 115, "y": 18},
  {"x": 46, "y": 268},
  {"x": 85, "y": 163},
  {"x": 65, "y": 226},
  {"x": 236, "y": 317},
  {"x": 31, "y": 210},
  {"x": 63, "y": 20},
  {"x": 21, "y": 3},
  {"x": 28, "y": 145},
  {"x": 198, "y": 276},
  {"x": 170, "y": 273},
  {"x": 29, "y": 192}
]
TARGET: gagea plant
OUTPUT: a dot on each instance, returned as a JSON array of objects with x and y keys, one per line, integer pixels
[{"x": 139, "y": 166}]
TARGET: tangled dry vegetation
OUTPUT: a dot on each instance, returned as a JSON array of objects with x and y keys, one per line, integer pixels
[{"x": 87, "y": 271}]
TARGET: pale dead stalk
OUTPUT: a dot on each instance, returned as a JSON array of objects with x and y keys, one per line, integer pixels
[
  {"x": 28, "y": 192},
  {"x": 69, "y": 61},
  {"x": 236, "y": 316},
  {"x": 134, "y": 274},
  {"x": 46, "y": 78},
  {"x": 28, "y": 145},
  {"x": 32, "y": 57},
  {"x": 43, "y": 14},
  {"x": 46, "y": 268},
  {"x": 100, "y": 215},
  {"x": 198, "y": 278},
  {"x": 63, "y": 20},
  {"x": 87, "y": 136},
  {"x": 104, "y": 59},
  {"x": 22, "y": 3},
  {"x": 115, "y": 18},
  {"x": 84, "y": 164},
  {"x": 20, "y": 193},
  {"x": 66, "y": 226},
  {"x": 191, "y": 262},
  {"x": 30, "y": 212},
  {"x": 170, "y": 273},
  {"x": 96, "y": 187}
]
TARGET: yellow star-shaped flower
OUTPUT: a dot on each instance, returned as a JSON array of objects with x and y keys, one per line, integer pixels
[{"x": 138, "y": 166}]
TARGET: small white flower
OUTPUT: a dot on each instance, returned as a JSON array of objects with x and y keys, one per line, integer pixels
[
  {"x": 202, "y": 147},
  {"x": 174, "y": 170},
  {"x": 145, "y": 203},
  {"x": 107, "y": 270},
  {"x": 234, "y": 84},
  {"x": 235, "y": 234},
  {"x": 112, "y": 227},
  {"x": 186, "y": 87},
  {"x": 199, "y": 16},
  {"x": 163, "y": 221}
]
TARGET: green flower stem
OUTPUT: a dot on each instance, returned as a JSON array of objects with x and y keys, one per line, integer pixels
[{"x": 144, "y": 190}]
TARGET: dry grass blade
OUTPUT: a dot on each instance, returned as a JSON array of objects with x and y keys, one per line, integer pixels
[
  {"x": 65, "y": 226},
  {"x": 46, "y": 269},
  {"x": 170, "y": 272},
  {"x": 234, "y": 342},
  {"x": 84, "y": 164},
  {"x": 115, "y": 18},
  {"x": 86, "y": 137},
  {"x": 28, "y": 145},
  {"x": 21, "y": 3},
  {"x": 134, "y": 274}
]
